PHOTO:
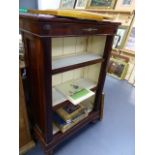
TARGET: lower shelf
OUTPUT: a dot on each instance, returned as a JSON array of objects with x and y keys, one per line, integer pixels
[{"x": 60, "y": 137}]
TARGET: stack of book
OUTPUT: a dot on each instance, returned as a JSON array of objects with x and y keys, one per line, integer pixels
[
  {"x": 69, "y": 115},
  {"x": 80, "y": 104}
]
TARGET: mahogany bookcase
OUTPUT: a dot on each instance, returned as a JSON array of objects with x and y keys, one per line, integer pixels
[{"x": 42, "y": 36}]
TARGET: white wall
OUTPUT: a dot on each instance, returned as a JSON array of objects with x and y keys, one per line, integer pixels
[{"x": 48, "y": 4}]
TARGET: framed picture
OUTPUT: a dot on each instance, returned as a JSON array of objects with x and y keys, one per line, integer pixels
[
  {"x": 132, "y": 77},
  {"x": 116, "y": 41},
  {"x": 128, "y": 5},
  {"x": 101, "y": 4},
  {"x": 117, "y": 68},
  {"x": 81, "y": 4},
  {"x": 67, "y": 4},
  {"x": 121, "y": 35},
  {"x": 130, "y": 44}
]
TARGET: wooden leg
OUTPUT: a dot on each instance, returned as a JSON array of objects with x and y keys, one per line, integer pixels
[{"x": 101, "y": 107}]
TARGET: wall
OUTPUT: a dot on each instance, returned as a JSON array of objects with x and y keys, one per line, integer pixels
[
  {"x": 32, "y": 4},
  {"x": 48, "y": 4},
  {"x": 39, "y": 4}
]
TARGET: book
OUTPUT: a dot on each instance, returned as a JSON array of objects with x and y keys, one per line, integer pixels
[
  {"x": 74, "y": 92},
  {"x": 69, "y": 111},
  {"x": 64, "y": 126},
  {"x": 79, "y": 96},
  {"x": 68, "y": 88},
  {"x": 58, "y": 119}
]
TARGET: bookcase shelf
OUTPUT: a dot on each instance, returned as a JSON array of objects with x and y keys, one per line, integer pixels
[
  {"x": 56, "y": 53},
  {"x": 59, "y": 98},
  {"x": 76, "y": 61},
  {"x": 59, "y": 137},
  {"x": 78, "y": 126}
]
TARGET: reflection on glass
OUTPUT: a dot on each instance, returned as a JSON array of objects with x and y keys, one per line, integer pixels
[{"x": 127, "y": 2}]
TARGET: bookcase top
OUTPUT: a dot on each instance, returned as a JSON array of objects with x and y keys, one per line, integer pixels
[{"x": 52, "y": 18}]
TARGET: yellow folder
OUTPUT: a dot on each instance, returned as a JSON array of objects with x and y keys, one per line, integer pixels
[{"x": 74, "y": 14}]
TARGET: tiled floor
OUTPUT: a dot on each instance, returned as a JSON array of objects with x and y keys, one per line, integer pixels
[{"x": 114, "y": 135}]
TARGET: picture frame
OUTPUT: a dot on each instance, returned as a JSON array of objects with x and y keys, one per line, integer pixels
[
  {"x": 81, "y": 4},
  {"x": 126, "y": 5},
  {"x": 121, "y": 36},
  {"x": 67, "y": 4},
  {"x": 130, "y": 43},
  {"x": 116, "y": 41},
  {"x": 117, "y": 68},
  {"x": 101, "y": 4},
  {"x": 131, "y": 79}
]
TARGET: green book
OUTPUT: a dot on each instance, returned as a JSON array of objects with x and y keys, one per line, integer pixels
[
  {"x": 80, "y": 96},
  {"x": 74, "y": 92}
]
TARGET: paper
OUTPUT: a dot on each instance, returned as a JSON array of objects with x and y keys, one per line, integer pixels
[{"x": 74, "y": 92}]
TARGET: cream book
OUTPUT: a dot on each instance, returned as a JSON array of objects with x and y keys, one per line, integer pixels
[{"x": 74, "y": 93}]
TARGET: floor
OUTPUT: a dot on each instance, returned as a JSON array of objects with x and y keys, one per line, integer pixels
[{"x": 114, "y": 135}]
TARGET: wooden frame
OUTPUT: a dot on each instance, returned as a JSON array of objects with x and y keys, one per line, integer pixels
[
  {"x": 128, "y": 5},
  {"x": 81, "y": 4},
  {"x": 131, "y": 79},
  {"x": 121, "y": 34},
  {"x": 116, "y": 41},
  {"x": 97, "y": 4},
  {"x": 67, "y": 4},
  {"x": 130, "y": 41},
  {"x": 37, "y": 32},
  {"x": 117, "y": 68}
]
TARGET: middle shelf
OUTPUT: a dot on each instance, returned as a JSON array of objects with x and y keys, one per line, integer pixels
[
  {"x": 75, "y": 85},
  {"x": 74, "y": 61}
]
